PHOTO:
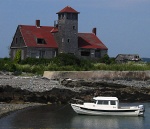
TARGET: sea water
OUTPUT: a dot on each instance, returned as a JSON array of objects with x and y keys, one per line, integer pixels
[{"x": 63, "y": 117}]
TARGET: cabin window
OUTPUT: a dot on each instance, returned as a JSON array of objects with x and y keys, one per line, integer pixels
[
  {"x": 102, "y": 102},
  {"x": 112, "y": 102},
  {"x": 41, "y": 41},
  {"x": 105, "y": 102}
]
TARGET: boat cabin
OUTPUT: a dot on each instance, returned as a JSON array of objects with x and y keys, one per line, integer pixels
[{"x": 107, "y": 102}]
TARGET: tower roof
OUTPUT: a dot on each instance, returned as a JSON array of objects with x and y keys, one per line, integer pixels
[{"x": 68, "y": 9}]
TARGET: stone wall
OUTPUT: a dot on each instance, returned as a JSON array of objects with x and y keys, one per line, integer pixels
[{"x": 95, "y": 75}]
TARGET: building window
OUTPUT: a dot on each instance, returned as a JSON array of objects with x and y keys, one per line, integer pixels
[
  {"x": 21, "y": 40},
  {"x": 42, "y": 54},
  {"x": 33, "y": 55},
  {"x": 41, "y": 41},
  {"x": 68, "y": 40},
  {"x": 97, "y": 53},
  {"x": 62, "y": 40},
  {"x": 85, "y": 53}
]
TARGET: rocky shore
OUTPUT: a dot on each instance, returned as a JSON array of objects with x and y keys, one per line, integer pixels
[
  {"x": 17, "y": 92},
  {"x": 6, "y": 108}
]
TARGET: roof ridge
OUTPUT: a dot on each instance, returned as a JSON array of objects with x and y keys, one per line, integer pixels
[
  {"x": 35, "y": 26},
  {"x": 67, "y": 9}
]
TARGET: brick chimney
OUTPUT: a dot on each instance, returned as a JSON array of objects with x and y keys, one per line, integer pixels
[
  {"x": 38, "y": 23},
  {"x": 94, "y": 31}
]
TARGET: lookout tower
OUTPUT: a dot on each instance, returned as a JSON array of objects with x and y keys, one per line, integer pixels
[{"x": 67, "y": 35}]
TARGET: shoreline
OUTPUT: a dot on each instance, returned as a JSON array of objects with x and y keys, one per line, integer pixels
[
  {"x": 8, "y": 108},
  {"x": 20, "y": 92}
]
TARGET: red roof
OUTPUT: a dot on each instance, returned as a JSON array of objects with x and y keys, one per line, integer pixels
[
  {"x": 90, "y": 41},
  {"x": 31, "y": 33},
  {"x": 68, "y": 9}
]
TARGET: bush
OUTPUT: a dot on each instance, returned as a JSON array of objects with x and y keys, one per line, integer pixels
[
  {"x": 66, "y": 59},
  {"x": 35, "y": 61},
  {"x": 105, "y": 59},
  {"x": 9, "y": 67},
  {"x": 17, "y": 58}
]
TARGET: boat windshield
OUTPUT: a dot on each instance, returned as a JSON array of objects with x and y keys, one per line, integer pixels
[
  {"x": 112, "y": 102},
  {"x": 106, "y": 102},
  {"x": 102, "y": 102}
]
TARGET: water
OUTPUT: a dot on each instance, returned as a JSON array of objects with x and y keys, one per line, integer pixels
[{"x": 63, "y": 117}]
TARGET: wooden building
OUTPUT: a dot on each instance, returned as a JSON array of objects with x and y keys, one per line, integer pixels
[{"x": 47, "y": 41}]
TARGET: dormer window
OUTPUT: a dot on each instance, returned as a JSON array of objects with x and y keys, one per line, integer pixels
[{"x": 40, "y": 41}]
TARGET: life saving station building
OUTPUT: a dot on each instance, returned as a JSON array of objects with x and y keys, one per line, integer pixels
[{"x": 38, "y": 41}]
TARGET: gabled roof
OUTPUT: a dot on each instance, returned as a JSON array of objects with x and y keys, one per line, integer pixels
[
  {"x": 90, "y": 41},
  {"x": 125, "y": 57},
  {"x": 31, "y": 33},
  {"x": 68, "y": 9}
]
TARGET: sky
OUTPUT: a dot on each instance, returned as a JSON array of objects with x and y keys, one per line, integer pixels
[{"x": 122, "y": 25}]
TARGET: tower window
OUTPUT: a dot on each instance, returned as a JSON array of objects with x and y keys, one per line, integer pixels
[
  {"x": 74, "y": 27},
  {"x": 74, "y": 16},
  {"x": 59, "y": 27},
  {"x": 62, "y": 40},
  {"x": 68, "y": 40},
  {"x": 68, "y": 16}
]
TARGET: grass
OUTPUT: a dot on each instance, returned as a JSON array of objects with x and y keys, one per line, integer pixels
[{"x": 38, "y": 66}]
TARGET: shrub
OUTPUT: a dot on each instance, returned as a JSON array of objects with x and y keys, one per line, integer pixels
[
  {"x": 17, "y": 58},
  {"x": 105, "y": 59},
  {"x": 9, "y": 67},
  {"x": 35, "y": 61},
  {"x": 66, "y": 59}
]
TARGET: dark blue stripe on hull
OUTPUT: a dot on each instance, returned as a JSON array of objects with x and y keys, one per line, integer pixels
[{"x": 108, "y": 110}]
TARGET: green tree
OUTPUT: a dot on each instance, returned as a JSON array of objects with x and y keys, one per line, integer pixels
[
  {"x": 17, "y": 58},
  {"x": 105, "y": 59}
]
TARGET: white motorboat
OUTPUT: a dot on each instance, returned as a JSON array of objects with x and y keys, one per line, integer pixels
[{"x": 108, "y": 106}]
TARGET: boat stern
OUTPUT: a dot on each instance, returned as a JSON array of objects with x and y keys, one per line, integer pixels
[{"x": 141, "y": 110}]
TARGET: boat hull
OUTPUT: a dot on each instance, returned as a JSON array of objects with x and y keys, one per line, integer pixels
[{"x": 80, "y": 109}]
